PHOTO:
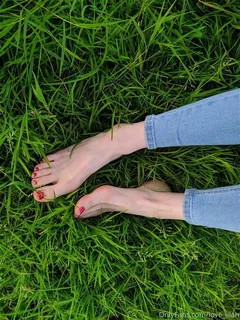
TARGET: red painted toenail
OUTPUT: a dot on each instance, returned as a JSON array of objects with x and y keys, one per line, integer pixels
[
  {"x": 34, "y": 175},
  {"x": 40, "y": 195},
  {"x": 52, "y": 160},
  {"x": 35, "y": 182},
  {"x": 81, "y": 210},
  {"x": 36, "y": 168}
]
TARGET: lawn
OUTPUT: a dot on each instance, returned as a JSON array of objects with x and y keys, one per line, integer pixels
[{"x": 72, "y": 69}]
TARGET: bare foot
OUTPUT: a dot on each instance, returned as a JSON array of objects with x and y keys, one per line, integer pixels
[
  {"x": 70, "y": 167},
  {"x": 153, "y": 199}
]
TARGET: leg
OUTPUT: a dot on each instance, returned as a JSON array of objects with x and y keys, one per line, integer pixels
[
  {"x": 218, "y": 208},
  {"x": 213, "y": 121}
]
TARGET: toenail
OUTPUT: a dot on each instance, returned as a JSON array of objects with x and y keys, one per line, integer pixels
[
  {"x": 34, "y": 182},
  {"x": 52, "y": 161},
  {"x": 34, "y": 175},
  {"x": 81, "y": 210},
  {"x": 40, "y": 195},
  {"x": 36, "y": 169}
]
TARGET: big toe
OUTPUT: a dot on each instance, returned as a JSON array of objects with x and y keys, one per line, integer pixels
[
  {"x": 91, "y": 204},
  {"x": 46, "y": 194}
]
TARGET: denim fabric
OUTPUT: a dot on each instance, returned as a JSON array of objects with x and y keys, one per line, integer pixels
[
  {"x": 218, "y": 207},
  {"x": 211, "y": 121}
]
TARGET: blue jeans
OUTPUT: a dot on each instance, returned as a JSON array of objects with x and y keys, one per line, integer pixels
[{"x": 211, "y": 121}]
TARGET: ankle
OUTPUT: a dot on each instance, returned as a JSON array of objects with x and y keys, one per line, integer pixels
[
  {"x": 170, "y": 205},
  {"x": 127, "y": 138}
]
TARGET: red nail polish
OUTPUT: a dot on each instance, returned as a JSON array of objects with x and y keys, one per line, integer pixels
[
  {"x": 81, "y": 210},
  {"x": 52, "y": 160},
  {"x": 36, "y": 168},
  {"x": 34, "y": 174},
  {"x": 40, "y": 195},
  {"x": 34, "y": 182}
]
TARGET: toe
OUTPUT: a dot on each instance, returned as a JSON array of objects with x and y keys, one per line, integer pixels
[
  {"x": 46, "y": 194},
  {"x": 38, "y": 182},
  {"x": 43, "y": 165},
  {"x": 55, "y": 156},
  {"x": 82, "y": 205},
  {"x": 86, "y": 203},
  {"x": 52, "y": 164},
  {"x": 41, "y": 173},
  {"x": 51, "y": 157}
]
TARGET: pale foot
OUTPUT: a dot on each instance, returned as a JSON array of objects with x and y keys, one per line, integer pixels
[
  {"x": 70, "y": 167},
  {"x": 153, "y": 199}
]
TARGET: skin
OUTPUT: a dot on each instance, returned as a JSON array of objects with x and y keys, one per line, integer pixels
[{"x": 70, "y": 167}]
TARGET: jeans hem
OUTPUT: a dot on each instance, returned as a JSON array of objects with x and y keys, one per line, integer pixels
[
  {"x": 187, "y": 206},
  {"x": 149, "y": 132}
]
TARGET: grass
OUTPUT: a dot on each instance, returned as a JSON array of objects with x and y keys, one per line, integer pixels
[{"x": 72, "y": 69}]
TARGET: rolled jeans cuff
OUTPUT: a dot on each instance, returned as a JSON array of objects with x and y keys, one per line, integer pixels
[{"x": 149, "y": 132}]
